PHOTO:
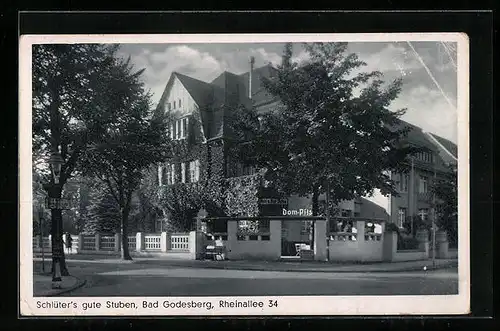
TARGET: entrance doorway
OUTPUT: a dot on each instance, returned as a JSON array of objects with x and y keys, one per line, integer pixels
[{"x": 297, "y": 239}]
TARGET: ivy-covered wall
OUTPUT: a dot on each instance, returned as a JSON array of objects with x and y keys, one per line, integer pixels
[{"x": 242, "y": 195}]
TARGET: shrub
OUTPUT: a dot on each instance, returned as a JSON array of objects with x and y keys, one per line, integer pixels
[
  {"x": 405, "y": 243},
  {"x": 391, "y": 227}
]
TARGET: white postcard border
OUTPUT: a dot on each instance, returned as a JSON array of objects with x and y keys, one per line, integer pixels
[{"x": 289, "y": 305}]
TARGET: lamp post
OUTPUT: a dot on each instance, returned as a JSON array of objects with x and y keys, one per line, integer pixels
[
  {"x": 40, "y": 226},
  {"x": 54, "y": 192}
]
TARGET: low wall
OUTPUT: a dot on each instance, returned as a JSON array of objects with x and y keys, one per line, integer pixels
[
  {"x": 356, "y": 247},
  {"x": 409, "y": 255},
  {"x": 254, "y": 249},
  {"x": 453, "y": 253},
  {"x": 391, "y": 254}
]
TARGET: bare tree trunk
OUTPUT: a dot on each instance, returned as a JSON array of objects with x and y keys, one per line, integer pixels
[
  {"x": 315, "y": 210},
  {"x": 56, "y": 232},
  {"x": 124, "y": 227}
]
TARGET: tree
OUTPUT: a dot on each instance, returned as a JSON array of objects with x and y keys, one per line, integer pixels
[
  {"x": 133, "y": 138},
  {"x": 446, "y": 193},
  {"x": 70, "y": 110},
  {"x": 103, "y": 214},
  {"x": 332, "y": 128}
]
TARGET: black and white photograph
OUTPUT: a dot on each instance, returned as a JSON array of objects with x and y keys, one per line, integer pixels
[{"x": 318, "y": 174}]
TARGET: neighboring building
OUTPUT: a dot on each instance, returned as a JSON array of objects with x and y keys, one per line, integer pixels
[
  {"x": 414, "y": 187},
  {"x": 199, "y": 111}
]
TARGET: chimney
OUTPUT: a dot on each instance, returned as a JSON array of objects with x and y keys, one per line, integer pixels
[{"x": 252, "y": 61}]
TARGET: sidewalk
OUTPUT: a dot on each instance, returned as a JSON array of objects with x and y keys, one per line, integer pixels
[
  {"x": 284, "y": 266},
  {"x": 42, "y": 285}
]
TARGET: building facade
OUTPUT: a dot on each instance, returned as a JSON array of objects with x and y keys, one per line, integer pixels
[{"x": 198, "y": 113}]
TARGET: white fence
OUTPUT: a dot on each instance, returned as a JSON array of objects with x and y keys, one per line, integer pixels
[
  {"x": 179, "y": 242},
  {"x": 137, "y": 243},
  {"x": 152, "y": 242}
]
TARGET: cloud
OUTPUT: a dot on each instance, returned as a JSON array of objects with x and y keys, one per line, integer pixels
[
  {"x": 184, "y": 59},
  {"x": 428, "y": 109},
  {"x": 393, "y": 57}
]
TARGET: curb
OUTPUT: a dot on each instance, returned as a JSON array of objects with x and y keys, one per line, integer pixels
[
  {"x": 79, "y": 283},
  {"x": 243, "y": 268}
]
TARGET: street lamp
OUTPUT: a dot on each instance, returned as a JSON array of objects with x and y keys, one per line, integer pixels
[
  {"x": 54, "y": 191},
  {"x": 56, "y": 162}
]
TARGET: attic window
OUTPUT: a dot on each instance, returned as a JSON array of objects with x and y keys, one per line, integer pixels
[
  {"x": 179, "y": 103},
  {"x": 169, "y": 106},
  {"x": 174, "y": 104}
]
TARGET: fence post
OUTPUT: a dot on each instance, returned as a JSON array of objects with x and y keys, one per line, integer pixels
[
  {"x": 192, "y": 244},
  {"x": 423, "y": 241},
  {"x": 97, "y": 242},
  {"x": 118, "y": 242},
  {"x": 320, "y": 240},
  {"x": 389, "y": 245},
  {"x": 139, "y": 241},
  {"x": 442, "y": 245},
  {"x": 163, "y": 242},
  {"x": 80, "y": 242}
]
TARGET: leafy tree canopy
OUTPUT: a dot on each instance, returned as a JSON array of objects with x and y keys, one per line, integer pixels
[{"x": 333, "y": 125}]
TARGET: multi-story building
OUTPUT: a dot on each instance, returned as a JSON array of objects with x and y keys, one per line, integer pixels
[
  {"x": 199, "y": 112},
  {"x": 414, "y": 187}
]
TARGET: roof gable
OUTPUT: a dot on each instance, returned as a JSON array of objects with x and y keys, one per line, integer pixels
[
  {"x": 447, "y": 150},
  {"x": 201, "y": 92}
]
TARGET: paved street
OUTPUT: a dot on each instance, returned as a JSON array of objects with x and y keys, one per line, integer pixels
[{"x": 129, "y": 279}]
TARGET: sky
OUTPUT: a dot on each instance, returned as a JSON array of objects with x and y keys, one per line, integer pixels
[{"x": 429, "y": 94}]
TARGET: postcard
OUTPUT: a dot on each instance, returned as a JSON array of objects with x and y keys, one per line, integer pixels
[{"x": 244, "y": 174}]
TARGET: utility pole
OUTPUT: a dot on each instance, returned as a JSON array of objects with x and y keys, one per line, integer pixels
[
  {"x": 327, "y": 219},
  {"x": 411, "y": 194},
  {"x": 40, "y": 222},
  {"x": 434, "y": 220}
]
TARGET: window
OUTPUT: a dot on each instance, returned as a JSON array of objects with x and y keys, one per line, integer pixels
[
  {"x": 306, "y": 227},
  {"x": 172, "y": 174},
  {"x": 160, "y": 170},
  {"x": 423, "y": 213},
  {"x": 403, "y": 183},
  {"x": 422, "y": 187},
  {"x": 253, "y": 227},
  {"x": 401, "y": 216},
  {"x": 346, "y": 213},
  {"x": 184, "y": 130},
  {"x": 183, "y": 172},
  {"x": 179, "y": 129},
  {"x": 169, "y": 106},
  {"x": 174, "y": 104},
  {"x": 179, "y": 103},
  {"x": 194, "y": 171}
]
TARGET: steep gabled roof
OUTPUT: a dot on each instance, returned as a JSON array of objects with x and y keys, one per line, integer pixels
[
  {"x": 201, "y": 91},
  {"x": 370, "y": 209},
  {"x": 259, "y": 94},
  {"x": 447, "y": 149}
]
